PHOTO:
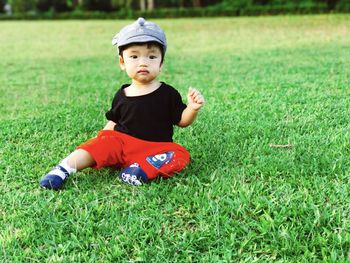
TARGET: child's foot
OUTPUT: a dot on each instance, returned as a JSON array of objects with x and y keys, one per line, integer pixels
[
  {"x": 133, "y": 175},
  {"x": 54, "y": 179}
]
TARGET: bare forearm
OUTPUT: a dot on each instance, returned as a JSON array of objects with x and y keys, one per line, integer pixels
[
  {"x": 188, "y": 116},
  {"x": 110, "y": 125}
]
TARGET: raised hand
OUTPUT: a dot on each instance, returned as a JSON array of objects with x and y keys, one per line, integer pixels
[{"x": 195, "y": 99}]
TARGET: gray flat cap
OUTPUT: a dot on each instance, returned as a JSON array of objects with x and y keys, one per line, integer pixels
[{"x": 140, "y": 31}]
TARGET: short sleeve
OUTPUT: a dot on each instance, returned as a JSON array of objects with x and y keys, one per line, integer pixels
[{"x": 112, "y": 114}]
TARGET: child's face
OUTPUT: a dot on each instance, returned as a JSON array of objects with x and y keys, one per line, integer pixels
[{"x": 142, "y": 63}]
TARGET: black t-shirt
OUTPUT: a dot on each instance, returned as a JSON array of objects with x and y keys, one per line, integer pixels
[{"x": 148, "y": 117}]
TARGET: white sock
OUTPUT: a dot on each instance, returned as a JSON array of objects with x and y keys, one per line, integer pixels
[
  {"x": 65, "y": 165},
  {"x": 59, "y": 172}
]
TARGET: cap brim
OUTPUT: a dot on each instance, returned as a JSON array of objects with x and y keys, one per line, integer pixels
[{"x": 140, "y": 39}]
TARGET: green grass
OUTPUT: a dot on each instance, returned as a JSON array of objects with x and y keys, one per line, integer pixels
[{"x": 267, "y": 80}]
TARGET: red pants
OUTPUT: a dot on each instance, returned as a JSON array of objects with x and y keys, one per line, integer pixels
[{"x": 112, "y": 148}]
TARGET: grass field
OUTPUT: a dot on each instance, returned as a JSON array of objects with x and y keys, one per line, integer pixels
[{"x": 267, "y": 80}]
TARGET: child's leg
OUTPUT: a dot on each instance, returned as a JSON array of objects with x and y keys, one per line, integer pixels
[
  {"x": 80, "y": 159},
  {"x": 76, "y": 161},
  {"x": 103, "y": 150},
  {"x": 147, "y": 160},
  {"x": 166, "y": 162}
]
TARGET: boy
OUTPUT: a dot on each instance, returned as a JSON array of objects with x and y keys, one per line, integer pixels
[{"x": 138, "y": 134}]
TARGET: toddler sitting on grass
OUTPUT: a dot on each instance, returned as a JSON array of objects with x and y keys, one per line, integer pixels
[{"x": 139, "y": 131}]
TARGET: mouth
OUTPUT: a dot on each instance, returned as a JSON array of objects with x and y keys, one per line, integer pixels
[{"x": 143, "y": 71}]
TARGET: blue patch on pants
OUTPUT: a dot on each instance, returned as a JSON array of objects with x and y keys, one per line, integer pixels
[{"x": 160, "y": 159}]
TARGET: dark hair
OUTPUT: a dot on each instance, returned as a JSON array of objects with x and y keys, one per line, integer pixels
[{"x": 149, "y": 45}]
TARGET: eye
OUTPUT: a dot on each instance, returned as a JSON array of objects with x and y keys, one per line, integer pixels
[
  {"x": 152, "y": 57},
  {"x": 133, "y": 56}
]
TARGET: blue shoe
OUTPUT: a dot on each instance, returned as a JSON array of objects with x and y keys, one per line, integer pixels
[
  {"x": 133, "y": 175},
  {"x": 53, "y": 181}
]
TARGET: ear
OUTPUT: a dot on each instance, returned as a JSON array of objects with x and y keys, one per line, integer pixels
[{"x": 121, "y": 63}]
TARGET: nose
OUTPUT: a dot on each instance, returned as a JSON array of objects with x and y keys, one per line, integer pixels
[{"x": 143, "y": 61}]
